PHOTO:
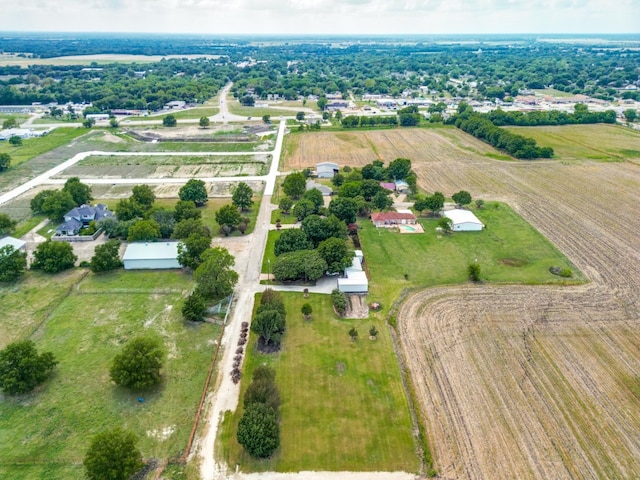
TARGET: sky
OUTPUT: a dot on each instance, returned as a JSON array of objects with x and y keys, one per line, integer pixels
[{"x": 343, "y": 17}]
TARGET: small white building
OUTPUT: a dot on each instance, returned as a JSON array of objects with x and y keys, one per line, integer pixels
[
  {"x": 151, "y": 256},
  {"x": 13, "y": 242},
  {"x": 355, "y": 280},
  {"x": 98, "y": 117},
  {"x": 326, "y": 169},
  {"x": 463, "y": 221},
  {"x": 23, "y": 133}
]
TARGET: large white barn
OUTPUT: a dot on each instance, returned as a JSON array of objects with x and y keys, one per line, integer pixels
[
  {"x": 151, "y": 256},
  {"x": 326, "y": 169},
  {"x": 463, "y": 221}
]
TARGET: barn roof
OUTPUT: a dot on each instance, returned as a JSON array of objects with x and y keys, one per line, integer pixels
[
  {"x": 14, "y": 242},
  {"x": 151, "y": 251},
  {"x": 459, "y": 216}
]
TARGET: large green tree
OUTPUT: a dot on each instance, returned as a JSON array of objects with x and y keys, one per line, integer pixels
[
  {"x": 269, "y": 325},
  {"x": 214, "y": 276},
  {"x": 346, "y": 209},
  {"x": 241, "y": 197},
  {"x": 80, "y": 192},
  {"x": 138, "y": 365},
  {"x": 6, "y": 224},
  {"x": 106, "y": 257},
  {"x": 258, "y": 431},
  {"x": 186, "y": 209},
  {"x": 190, "y": 226},
  {"x": 53, "y": 257},
  {"x": 462, "y": 197},
  {"x": 144, "y": 231},
  {"x": 336, "y": 253},
  {"x": 22, "y": 368},
  {"x": 194, "y": 190},
  {"x": 303, "y": 208},
  {"x": 143, "y": 195},
  {"x": 228, "y": 217},
  {"x": 191, "y": 249},
  {"x": 291, "y": 240},
  {"x": 170, "y": 120},
  {"x": 129, "y": 209},
  {"x": 398, "y": 169},
  {"x": 13, "y": 263},
  {"x": 113, "y": 455},
  {"x": 57, "y": 204},
  {"x": 299, "y": 265},
  {"x": 294, "y": 185},
  {"x": 37, "y": 202}
]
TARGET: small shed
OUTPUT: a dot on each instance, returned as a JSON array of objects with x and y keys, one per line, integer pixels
[
  {"x": 151, "y": 256},
  {"x": 463, "y": 221},
  {"x": 14, "y": 242},
  {"x": 355, "y": 278},
  {"x": 401, "y": 186},
  {"x": 326, "y": 169}
]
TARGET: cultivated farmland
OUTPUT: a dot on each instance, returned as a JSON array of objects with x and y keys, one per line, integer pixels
[
  {"x": 536, "y": 382},
  {"x": 525, "y": 381}
]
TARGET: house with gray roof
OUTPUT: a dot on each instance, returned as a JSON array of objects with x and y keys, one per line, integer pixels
[{"x": 80, "y": 217}]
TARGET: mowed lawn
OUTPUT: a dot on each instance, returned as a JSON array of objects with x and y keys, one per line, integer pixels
[
  {"x": 509, "y": 250},
  {"x": 343, "y": 405},
  {"x": 32, "y": 147},
  {"x": 45, "y": 434},
  {"x": 602, "y": 142}
]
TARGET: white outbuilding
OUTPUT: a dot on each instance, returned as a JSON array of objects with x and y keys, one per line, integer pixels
[
  {"x": 151, "y": 256},
  {"x": 355, "y": 280},
  {"x": 463, "y": 221},
  {"x": 16, "y": 243}
]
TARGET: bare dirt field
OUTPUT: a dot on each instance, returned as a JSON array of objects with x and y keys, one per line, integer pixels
[
  {"x": 536, "y": 382},
  {"x": 359, "y": 148}
]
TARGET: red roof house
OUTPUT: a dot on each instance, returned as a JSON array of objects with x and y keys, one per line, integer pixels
[{"x": 385, "y": 219}]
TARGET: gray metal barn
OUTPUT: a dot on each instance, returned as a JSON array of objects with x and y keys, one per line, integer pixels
[{"x": 151, "y": 256}]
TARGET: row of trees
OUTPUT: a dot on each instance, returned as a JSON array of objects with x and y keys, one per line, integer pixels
[
  {"x": 353, "y": 121},
  {"x": 581, "y": 115},
  {"x": 258, "y": 429},
  {"x": 480, "y": 126}
]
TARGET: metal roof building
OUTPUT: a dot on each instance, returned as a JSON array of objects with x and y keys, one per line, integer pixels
[
  {"x": 14, "y": 242},
  {"x": 151, "y": 256},
  {"x": 463, "y": 221}
]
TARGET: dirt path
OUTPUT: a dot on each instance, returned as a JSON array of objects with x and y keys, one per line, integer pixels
[{"x": 536, "y": 382}]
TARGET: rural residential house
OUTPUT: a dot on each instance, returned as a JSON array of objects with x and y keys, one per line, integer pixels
[
  {"x": 463, "y": 221},
  {"x": 355, "y": 278},
  {"x": 326, "y": 169},
  {"x": 82, "y": 216},
  {"x": 388, "y": 186},
  {"x": 389, "y": 219},
  {"x": 151, "y": 256}
]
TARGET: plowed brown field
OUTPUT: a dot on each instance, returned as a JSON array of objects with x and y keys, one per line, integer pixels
[
  {"x": 525, "y": 382},
  {"x": 536, "y": 382}
]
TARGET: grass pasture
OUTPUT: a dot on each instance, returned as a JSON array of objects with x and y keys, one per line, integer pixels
[
  {"x": 343, "y": 405},
  {"x": 189, "y": 113},
  {"x": 32, "y": 147},
  {"x": 258, "y": 112},
  {"x": 84, "y": 323},
  {"x": 605, "y": 143},
  {"x": 509, "y": 250}
]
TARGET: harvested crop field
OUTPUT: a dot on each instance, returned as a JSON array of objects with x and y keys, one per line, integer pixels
[
  {"x": 358, "y": 148},
  {"x": 535, "y": 381}
]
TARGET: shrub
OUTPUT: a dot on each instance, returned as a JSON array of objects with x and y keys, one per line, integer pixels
[
  {"x": 22, "y": 368},
  {"x": 566, "y": 273},
  {"x": 138, "y": 365},
  {"x": 194, "y": 308},
  {"x": 339, "y": 301},
  {"x": 474, "y": 272},
  {"x": 258, "y": 431}
]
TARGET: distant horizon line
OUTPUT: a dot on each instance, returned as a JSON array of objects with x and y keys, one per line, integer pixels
[{"x": 307, "y": 35}]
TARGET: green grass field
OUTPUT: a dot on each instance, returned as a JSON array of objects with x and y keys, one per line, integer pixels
[
  {"x": 190, "y": 113},
  {"x": 32, "y": 147},
  {"x": 285, "y": 218},
  {"x": 259, "y": 112},
  {"x": 509, "y": 250},
  {"x": 601, "y": 142},
  {"x": 45, "y": 434},
  {"x": 343, "y": 405},
  {"x": 268, "y": 250}
]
